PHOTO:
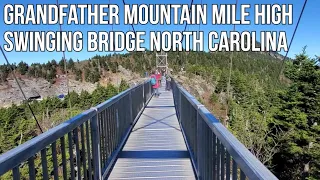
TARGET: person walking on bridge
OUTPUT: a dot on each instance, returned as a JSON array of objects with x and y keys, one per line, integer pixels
[{"x": 155, "y": 82}]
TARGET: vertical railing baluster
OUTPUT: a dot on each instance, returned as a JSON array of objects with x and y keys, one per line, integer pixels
[
  {"x": 143, "y": 102},
  {"x": 234, "y": 170},
  {"x": 83, "y": 154},
  {"x": 179, "y": 107},
  {"x": 16, "y": 173},
  {"x": 198, "y": 146},
  {"x": 210, "y": 152},
  {"x": 115, "y": 130},
  {"x": 214, "y": 155},
  {"x": 96, "y": 147},
  {"x": 54, "y": 160},
  {"x": 112, "y": 130},
  {"x": 206, "y": 136},
  {"x": 64, "y": 159},
  {"x": 76, "y": 138},
  {"x": 32, "y": 172},
  {"x": 242, "y": 175},
  {"x": 105, "y": 133},
  {"x": 89, "y": 151},
  {"x": 70, "y": 141},
  {"x": 130, "y": 104},
  {"x": 102, "y": 149},
  {"x": 218, "y": 159},
  {"x": 44, "y": 164},
  {"x": 117, "y": 124},
  {"x": 222, "y": 155},
  {"x": 228, "y": 166},
  {"x": 108, "y": 119}
]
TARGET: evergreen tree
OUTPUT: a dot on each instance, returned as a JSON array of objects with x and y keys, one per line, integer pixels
[
  {"x": 299, "y": 114},
  {"x": 71, "y": 64},
  {"x": 22, "y": 68},
  {"x": 123, "y": 85}
]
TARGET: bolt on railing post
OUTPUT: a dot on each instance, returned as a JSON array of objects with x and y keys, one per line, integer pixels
[{"x": 96, "y": 147}]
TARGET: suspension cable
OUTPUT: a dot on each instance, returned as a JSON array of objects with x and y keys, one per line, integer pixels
[
  {"x": 124, "y": 3},
  {"x": 199, "y": 34},
  {"x": 185, "y": 27},
  {"x": 12, "y": 70},
  {"x": 294, "y": 33}
]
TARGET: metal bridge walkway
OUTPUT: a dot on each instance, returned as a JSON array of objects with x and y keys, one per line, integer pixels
[
  {"x": 136, "y": 136},
  {"x": 155, "y": 148}
]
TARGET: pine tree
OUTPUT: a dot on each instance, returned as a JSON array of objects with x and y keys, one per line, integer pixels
[
  {"x": 123, "y": 85},
  {"x": 299, "y": 114}
]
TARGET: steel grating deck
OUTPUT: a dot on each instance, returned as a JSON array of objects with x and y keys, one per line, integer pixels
[{"x": 155, "y": 148}]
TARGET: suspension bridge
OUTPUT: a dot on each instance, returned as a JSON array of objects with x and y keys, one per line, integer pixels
[{"x": 134, "y": 135}]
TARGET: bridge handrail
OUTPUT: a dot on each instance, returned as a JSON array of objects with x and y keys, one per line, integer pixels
[
  {"x": 247, "y": 162},
  {"x": 23, "y": 152}
]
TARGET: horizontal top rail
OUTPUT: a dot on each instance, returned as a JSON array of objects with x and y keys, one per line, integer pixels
[
  {"x": 247, "y": 162},
  {"x": 21, "y": 153}
]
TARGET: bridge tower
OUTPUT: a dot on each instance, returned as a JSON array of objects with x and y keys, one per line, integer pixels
[{"x": 161, "y": 61}]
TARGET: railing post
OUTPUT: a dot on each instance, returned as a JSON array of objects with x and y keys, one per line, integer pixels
[
  {"x": 198, "y": 146},
  {"x": 144, "y": 100},
  {"x": 131, "y": 106},
  {"x": 199, "y": 143},
  {"x": 150, "y": 90},
  {"x": 96, "y": 146},
  {"x": 179, "y": 105}
]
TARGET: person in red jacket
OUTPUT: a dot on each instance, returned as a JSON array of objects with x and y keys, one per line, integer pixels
[{"x": 157, "y": 84}]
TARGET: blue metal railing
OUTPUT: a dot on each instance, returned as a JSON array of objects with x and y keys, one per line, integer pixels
[
  {"x": 215, "y": 152},
  {"x": 84, "y": 147}
]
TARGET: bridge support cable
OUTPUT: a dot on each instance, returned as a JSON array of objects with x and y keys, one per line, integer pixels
[
  {"x": 294, "y": 33},
  {"x": 24, "y": 96},
  {"x": 124, "y": 3},
  {"x": 185, "y": 28},
  {"x": 197, "y": 47}
]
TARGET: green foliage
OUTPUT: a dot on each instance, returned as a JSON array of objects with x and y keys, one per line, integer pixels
[
  {"x": 4, "y": 72},
  {"x": 123, "y": 85},
  {"x": 78, "y": 75},
  {"x": 92, "y": 76},
  {"x": 61, "y": 65},
  {"x": 214, "y": 98},
  {"x": 71, "y": 64},
  {"x": 23, "y": 68},
  {"x": 277, "y": 121},
  {"x": 18, "y": 126},
  {"x": 299, "y": 115}
]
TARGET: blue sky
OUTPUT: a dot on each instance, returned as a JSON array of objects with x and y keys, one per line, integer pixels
[{"x": 307, "y": 34}]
